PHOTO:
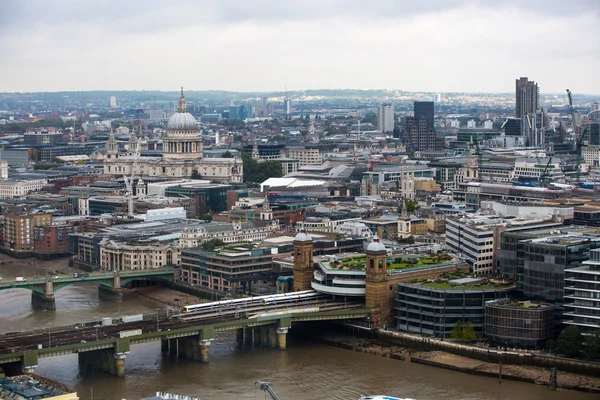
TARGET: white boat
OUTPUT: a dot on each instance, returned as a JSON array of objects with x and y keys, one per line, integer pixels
[{"x": 379, "y": 397}]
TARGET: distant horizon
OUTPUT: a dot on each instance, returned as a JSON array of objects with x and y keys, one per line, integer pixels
[{"x": 289, "y": 91}]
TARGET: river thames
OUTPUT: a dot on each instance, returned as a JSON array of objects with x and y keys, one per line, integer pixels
[{"x": 306, "y": 370}]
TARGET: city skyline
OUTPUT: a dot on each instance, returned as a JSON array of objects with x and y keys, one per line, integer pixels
[{"x": 464, "y": 46}]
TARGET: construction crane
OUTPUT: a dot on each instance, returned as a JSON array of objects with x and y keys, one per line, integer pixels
[
  {"x": 545, "y": 176},
  {"x": 579, "y": 142},
  {"x": 266, "y": 387}
]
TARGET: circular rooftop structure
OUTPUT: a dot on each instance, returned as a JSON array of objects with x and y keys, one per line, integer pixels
[
  {"x": 376, "y": 245},
  {"x": 182, "y": 120},
  {"x": 302, "y": 236}
]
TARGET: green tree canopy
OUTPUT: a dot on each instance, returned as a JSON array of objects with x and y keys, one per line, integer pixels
[
  {"x": 260, "y": 172},
  {"x": 212, "y": 244},
  {"x": 570, "y": 342},
  {"x": 457, "y": 331},
  {"x": 469, "y": 334},
  {"x": 227, "y": 154},
  {"x": 591, "y": 350}
]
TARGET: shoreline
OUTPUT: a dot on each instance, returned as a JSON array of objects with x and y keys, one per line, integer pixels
[{"x": 441, "y": 359}]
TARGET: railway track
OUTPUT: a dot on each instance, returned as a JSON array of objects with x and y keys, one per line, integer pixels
[{"x": 31, "y": 340}]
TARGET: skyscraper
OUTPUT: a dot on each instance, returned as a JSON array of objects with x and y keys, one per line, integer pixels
[
  {"x": 287, "y": 105},
  {"x": 527, "y": 97},
  {"x": 420, "y": 127},
  {"x": 113, "y": 102},
  {"x": 424, "y": 109},
  {"x": 385, "y": 117}
]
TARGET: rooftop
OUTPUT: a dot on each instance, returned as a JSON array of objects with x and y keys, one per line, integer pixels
[
  {"x": 510, "y": 303},
  {"x": 25, "y": 387},
  {"x": 460, "y": 280},
  {"x": 357, "y": 262}
]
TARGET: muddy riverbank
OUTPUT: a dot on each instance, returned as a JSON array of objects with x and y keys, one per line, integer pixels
[{"x": 522, "y": 373}]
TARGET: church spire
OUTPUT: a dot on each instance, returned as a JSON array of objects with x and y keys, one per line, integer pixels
[{"x": 182, "y": 106}]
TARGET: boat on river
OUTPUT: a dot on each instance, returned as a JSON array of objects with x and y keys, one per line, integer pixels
[{"x": 379, "y": 397}]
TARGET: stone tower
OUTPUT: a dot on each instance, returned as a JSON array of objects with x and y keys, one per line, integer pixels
[
  {"x": 303, "y": 261},
  {"x": 266, "y": 213},
  {"x": 377, "y": 294}
]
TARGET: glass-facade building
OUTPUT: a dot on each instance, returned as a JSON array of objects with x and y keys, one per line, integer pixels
[
  {"x": 434, "y": 311},
  {"x": 582, "y": 295}
]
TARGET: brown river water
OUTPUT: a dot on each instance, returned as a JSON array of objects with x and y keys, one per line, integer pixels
[{"x": 305, "y": 370}]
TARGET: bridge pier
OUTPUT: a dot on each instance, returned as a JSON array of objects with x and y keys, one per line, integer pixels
[
  {"x": 239, "y": 336},
  {"x": 204, "y": 351},
  {"x": 164, "y": 345},
  {"x": 272, "y": 338},
  {"x": 174, "y": 346},
  {"x": 43, "y": 301},
  {"x": 256, "y": 336},
  {"x": 264, "y": 336},
  {"x": 282, "y": 338},
  {"x": 119, "y": 363}
]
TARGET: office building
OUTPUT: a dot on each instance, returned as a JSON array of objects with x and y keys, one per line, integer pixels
[
  {"x": 538, "y": 259},
  {"x": 518, "y": 323},
  {"x": 424, "y": 109},
  {"x": 475, "y": 236},
  {"x": 234, "y": 268},
  {"x": 433, "y": 309},
  {"x": 385, "y": 117},
  {"x": 10, "y": 188},
  {"x": 42, "y": 137},
  {"x": 420, "y": 128},
  {"x": 527, "y": 97},
  {"x": 582, "y": 295},
  {"x": 113, "y": 102}
]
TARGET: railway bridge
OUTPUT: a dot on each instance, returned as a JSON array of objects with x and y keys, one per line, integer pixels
[
  {"x": 42, "y": 290},
  {"x": 106, "y": 346}
]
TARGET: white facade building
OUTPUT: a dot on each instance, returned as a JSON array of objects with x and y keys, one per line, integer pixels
[
  {"x": 385, "y": 118},
  {"x": 11, "y": 188},
  {"x": 305, "y": 156},
  {"x": 228, "y": 232}
]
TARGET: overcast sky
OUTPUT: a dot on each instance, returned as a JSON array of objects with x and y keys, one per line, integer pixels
[{"x": 268, "y": 45}]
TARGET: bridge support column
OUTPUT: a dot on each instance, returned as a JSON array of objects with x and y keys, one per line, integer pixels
[
  {"x": 29, "y": 361},
  {"x": 282, "y": 338},
  {"x": 105, "y": 361},
  {"x": 239, "y": 335},
  {"x": 164, "y": 345},
  {"x": 119, "y": 363},
  {"x": 43, "y": 301},
  {"x": 264, "y": 335},
  {"x": 272, "y": 338},
  {"x": 256, "y": 336},
  {"x": 188, "y": 348},
  {"x": 204, "y": 351},
  {"x": 174, "y": 346}
]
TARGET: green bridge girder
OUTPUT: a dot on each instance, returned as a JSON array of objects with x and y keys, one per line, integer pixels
[
  {"x": 101, "y": 278},
  {"x": 203, "y": 331}
]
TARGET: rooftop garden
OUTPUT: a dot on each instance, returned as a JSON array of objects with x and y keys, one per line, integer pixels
[
  {"x": 393, "y": 263},
  {"x": 445, "y": 281}
]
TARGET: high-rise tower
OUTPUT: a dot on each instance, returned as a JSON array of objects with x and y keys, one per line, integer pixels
[
  {"x": 385, "y": 117},
  {"x": 527, "y": 97}
]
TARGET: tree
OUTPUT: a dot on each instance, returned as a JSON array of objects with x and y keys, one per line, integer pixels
[
  {"x": 569, "y": 342},
  {"x": 259, "y": 172},
  {"x": 411, "y": 205},
  {"x": 227, "y": 154},
  {"x": 591, "y": 350},
  {"x": 469, "y": 334},
  {"x": 212, "y": 244},
  {"x": 196, "y": 174},
  {"x": 457, "y": 331}
]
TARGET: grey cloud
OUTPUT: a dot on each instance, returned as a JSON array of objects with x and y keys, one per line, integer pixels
[{"x": 145, "y": 15}]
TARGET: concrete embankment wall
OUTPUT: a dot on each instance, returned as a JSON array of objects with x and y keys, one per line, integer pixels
[{"x": 487, "y": 355}]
